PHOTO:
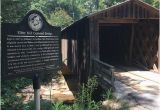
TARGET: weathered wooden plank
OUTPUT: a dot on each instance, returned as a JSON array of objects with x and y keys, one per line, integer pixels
[
  {"x": 140, "y": 52},
  {"x": 159, "y": 54},
  {"x": 129, "y": 10},
  {"x": 97, "y": 74},
  {"x": 131, "y": 44},
  {"x": 104, "y": 72},
  {"x": 106, "y": 80},
  {"x": 108, "y": 20},
  {"x": 140, "y": 3},
  {"x": 109, "y": 24},
  {"x": 113, "y": 78},
  {"x": 107, "y": 77},
  {"x": 107, "y": 65},
  {"x": 124, "y": 11},
  {"x": 97, "y": 40},
  {"x": 91, "y": 43},
  {"x": 133, "y": 13},
  {"x": 145, "y": 13},
  {"x": 138, "y": 12},
  {"x": 107, "y": 74}
]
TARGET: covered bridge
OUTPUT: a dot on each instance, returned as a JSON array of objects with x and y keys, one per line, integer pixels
[{"x": 124, "y": 34}]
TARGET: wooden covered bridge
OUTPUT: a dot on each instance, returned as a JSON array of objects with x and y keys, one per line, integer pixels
[{"x": 122, "y": 35}]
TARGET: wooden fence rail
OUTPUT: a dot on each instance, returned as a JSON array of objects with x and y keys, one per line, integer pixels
[{"x": 104, "y": 73}]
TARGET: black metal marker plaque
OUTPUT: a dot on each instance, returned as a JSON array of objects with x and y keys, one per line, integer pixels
[{"x": 29, "y": 47}]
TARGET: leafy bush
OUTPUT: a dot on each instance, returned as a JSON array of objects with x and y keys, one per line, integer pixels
[
  {"x": 108, "y": 95},
  {"x": 9, "y": 88},
  {"x": 84, "y": 98}
]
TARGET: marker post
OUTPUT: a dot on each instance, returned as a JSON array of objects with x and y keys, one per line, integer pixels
[{"x": 36, "y": 87}]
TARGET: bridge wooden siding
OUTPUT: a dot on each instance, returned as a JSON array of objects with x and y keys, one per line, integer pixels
[
  {"x": 104, "y": 73},
  {"x": 94, "y": 37}
]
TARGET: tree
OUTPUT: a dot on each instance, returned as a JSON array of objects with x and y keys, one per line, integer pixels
[
  {"x": 14, "y": 10},
  {"x": 44, "y": 6},
  {"x": 60, "y": 18},
  {"x": 154, "y": 3},
  {"x": 113, "y": 2}
]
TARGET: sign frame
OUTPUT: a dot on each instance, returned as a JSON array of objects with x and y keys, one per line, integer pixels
[{"x": 23, "y": 28}]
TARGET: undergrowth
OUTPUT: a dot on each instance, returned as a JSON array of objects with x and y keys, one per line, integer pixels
[
  {"x": 84, "y": 101},
  {"x": 9, "y": 89}
]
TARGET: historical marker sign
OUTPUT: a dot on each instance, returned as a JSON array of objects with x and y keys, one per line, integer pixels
[{"x": 29, "y": 47}]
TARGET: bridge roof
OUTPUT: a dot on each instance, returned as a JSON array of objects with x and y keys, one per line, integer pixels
[{"x": 129, "y": 9}]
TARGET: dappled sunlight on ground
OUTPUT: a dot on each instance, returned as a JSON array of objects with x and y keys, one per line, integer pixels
[
  {"x": 141, "y": 86},
  {"x": 56, "y": 90}
]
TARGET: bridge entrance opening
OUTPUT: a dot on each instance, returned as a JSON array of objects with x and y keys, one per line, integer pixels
[{"x": 114, "y": 42}]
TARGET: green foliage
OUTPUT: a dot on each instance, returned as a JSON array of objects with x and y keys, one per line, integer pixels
[
  {"x": 42, "y": 6},
  {"x": 108, "y": 95},
  {"x": 85, "y": 94},
  {"x": 60, "y": 106},
  {"x": 38, "y": 5},
  {"x": 16, "y": 85},
  {"x": 10, "y": 101},
  {"x": 87, "y": 7},
  {"x": 113, "y": 2},
  {"x": 154, "y": 3},
  {"x": 14, "y": 10},
  {"x": 102, "y": 4},
  {"x": 45, "y": 105},
  {"x": 84, "y": 99},
  {"x": 60, "y": 18},
  {"x": 9, "y": 88}
]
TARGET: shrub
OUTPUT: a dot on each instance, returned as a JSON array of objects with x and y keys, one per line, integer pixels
[
  {"x": 84, "y": 99},
  {"x": 9, "y": 88}
]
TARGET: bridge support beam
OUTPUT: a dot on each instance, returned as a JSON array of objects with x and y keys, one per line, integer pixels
[
  {"x": 159, "y": 54},
  {"x": 131, "y": 44}
]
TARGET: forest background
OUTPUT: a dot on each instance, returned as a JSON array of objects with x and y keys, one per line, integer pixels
[{"x": 57, "y": 12}]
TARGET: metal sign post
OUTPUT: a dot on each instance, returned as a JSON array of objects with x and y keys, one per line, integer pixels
[{"x": 36, "y": 87}]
